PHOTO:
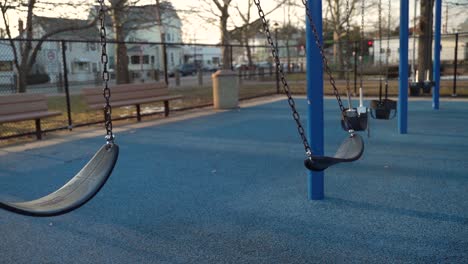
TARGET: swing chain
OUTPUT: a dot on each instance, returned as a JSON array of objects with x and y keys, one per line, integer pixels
[
  {"x": 324, "y": 59},
  {"x": 387, "y": 50},
  {"x": 286, "y": 89},
  {"x": 105, "y": 75}
]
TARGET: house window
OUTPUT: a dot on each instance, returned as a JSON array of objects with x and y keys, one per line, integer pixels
[
  {"x": 79, "y": 66},
  {"x": 172, "y": 59},
  {"x": 6, "y": 66},
  {"x": 135, "y": 59},
  {"x": 152, "y": 59},
  {"x": 94, "y": 67}
]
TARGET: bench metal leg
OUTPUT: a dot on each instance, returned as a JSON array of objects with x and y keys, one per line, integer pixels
[
  {"x": 38, "y": 129},
  {"x": 138, "y": 112},
  {"x": 166, "y": 108}
]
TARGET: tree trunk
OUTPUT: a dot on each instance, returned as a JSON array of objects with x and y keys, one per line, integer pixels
[
  {"x": 338, "y": 52},
  {"x": 21, "y": 82},
  {"x": 121, "y": 57},
  {"x": 425, "y": 40},
  {"x": 225, "y": 39}
]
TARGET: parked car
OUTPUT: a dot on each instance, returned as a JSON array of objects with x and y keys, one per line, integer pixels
[
  {"x": 187, "y": 69},
  {"x": 264, "y": 64}
]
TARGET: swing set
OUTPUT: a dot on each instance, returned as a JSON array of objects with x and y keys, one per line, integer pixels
[{"x": 92, "y": 177}]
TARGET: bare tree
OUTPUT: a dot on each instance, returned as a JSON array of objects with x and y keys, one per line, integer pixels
[
  {"x": 26, "y": 50},
  {"x": 225, "y": 37},
  {"x": 249, "y": 28},
  {"x": 337, "y": 21}
]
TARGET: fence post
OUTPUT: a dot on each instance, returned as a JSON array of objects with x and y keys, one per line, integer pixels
[
  {"x": 231, "y": 57},
  {"x": 455, "y": 62},
  {"x": 65, "y": 80}
]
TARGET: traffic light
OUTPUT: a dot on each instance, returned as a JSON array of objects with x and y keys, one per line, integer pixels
[{"x": 370, "y": 43}]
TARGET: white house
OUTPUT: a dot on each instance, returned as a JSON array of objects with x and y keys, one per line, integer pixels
[
  {"x": 7, "y": 73},
  {"x": 83, "y": 52},
  {"x": 209, "y": 57},
  {"x": 83, "y": 55},
  {"x": 145, "y": 49},
  {"x": 447, "y": 53}
]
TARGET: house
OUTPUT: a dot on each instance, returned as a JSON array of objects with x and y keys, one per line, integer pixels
[
  {"x": 7, "y": 72},
  {"x": 145, "y": 47},
  {"x": 447, "y": 52},
  {"x": 209, "y": 57},
  {"x": 83, "y": 52}
]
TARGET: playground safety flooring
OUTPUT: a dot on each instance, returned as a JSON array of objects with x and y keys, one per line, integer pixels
[{"x": 230, "y": 187}]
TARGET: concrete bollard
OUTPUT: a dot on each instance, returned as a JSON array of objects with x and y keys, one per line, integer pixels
[{"x": 225, "y": 89}]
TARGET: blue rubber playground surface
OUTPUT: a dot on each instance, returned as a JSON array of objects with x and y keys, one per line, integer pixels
[{"x": 231, "y": 188}]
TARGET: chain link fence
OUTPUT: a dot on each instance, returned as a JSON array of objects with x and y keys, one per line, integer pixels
[{"x": 62, "y": 68}]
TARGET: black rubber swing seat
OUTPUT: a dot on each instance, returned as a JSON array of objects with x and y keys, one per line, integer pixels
[
  {"x": 350, "y": 150},
  {"x": 76, "y": 192},
  {"x": 383, "y": 109}
]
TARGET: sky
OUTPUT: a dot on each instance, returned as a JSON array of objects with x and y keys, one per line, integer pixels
[{"x": 197, "y": 30}]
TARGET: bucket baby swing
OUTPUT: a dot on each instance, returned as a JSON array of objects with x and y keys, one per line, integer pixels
[
  {"x": 352, "y": 147},
  {"x": 384, "y": 108},
  {"x": 92, "y": 177}
]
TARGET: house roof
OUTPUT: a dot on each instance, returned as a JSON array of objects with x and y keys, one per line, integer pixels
[
  {"x": 137, "y": 15},
  {"x": 50, "y": 24}
]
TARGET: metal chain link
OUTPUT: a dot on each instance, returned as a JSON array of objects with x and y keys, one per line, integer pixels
[
  {"x": 387, "y": 50},
  {"x": 105, "y": 75},
  {"x": 324, "y": 59},
  {"x": 286, "y": 89},
  {"x": 362, "y": 46},
  {"x": 348, "y": 41}
]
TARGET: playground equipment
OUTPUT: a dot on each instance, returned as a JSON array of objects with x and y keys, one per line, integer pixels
[
  {"x": 352, "y": 147},
  {"x": 92, "y": 177}
]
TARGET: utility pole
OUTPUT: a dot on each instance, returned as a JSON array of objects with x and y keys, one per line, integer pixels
[{"x": 163, "y": 41}]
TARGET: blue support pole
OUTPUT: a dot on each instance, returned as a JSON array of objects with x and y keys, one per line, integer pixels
[
  {"x": 315, "y": 98},
  {"x": 403, "y": 69},
  {"x": 437, "y": 47}
]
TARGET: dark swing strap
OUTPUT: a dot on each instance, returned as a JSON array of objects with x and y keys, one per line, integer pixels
[
  {"x": 352, "y": 148},
  {"x": 86, "y": 183}
]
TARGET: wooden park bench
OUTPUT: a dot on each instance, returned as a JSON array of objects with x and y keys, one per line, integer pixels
[
  {"x": 130, "y": 94},
  {"x": 21, "y": 107}
]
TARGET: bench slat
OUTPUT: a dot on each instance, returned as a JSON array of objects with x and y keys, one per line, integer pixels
[
  {"x": 21, "y": 98},
  {"x": 115, "y": 97},
  {"x": 24, "y": 107},
  {"x": 28, "y": 116},
  {"x": 125, "y": 88},
  {"x": 137, "y": 101}
]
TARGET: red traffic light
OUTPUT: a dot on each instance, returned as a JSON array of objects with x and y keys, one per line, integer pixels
[{"x": 370, "y": 43}]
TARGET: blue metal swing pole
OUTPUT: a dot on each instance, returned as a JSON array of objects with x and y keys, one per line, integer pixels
[
  {"x": 403, "y": 69},
  {"x": 437, "y": 47},
  {"x": 315, "y": 97}
]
